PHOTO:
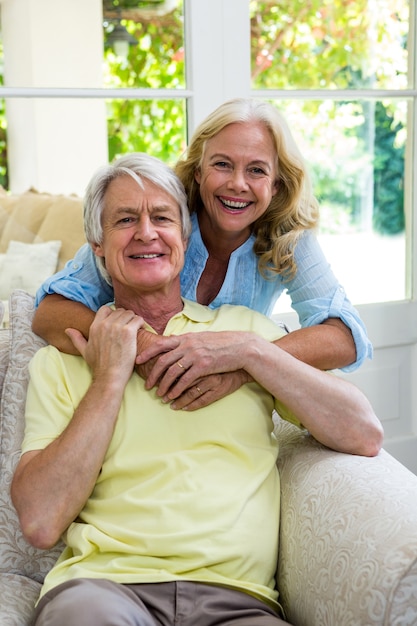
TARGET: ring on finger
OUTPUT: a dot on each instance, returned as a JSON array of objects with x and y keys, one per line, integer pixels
[
  {"x": 199, "y": 390},
  {"x": 180, "y": 365}
]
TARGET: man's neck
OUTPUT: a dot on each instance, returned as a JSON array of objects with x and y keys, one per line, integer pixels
[{"x": 155, "y": 309}]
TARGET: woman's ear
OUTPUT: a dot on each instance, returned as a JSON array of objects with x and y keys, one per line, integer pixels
[{"x": 197, "y": 175}]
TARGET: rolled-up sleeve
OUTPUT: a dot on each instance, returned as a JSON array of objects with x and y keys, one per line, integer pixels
[
  {"x": 317, "y": 295},
  {"x": 79, "y": 280}
]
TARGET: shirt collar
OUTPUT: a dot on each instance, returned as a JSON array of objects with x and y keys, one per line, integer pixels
[
  {"x": 195, "y": 312},
  {"x": 192, "y": 310}
]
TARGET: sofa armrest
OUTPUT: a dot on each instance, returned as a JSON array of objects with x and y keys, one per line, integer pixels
[{"x": 348, "y": 540}]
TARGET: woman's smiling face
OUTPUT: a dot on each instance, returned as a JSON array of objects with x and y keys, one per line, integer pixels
[{"x": 238, "y": 177}]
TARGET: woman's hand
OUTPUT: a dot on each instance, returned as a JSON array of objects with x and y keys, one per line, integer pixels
[
  {"x": 186, "y": 363},
  {"x": 208, "y": 390}
]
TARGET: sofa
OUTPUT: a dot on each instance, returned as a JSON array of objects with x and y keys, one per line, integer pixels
[
  {"x": 39, "y": 233},
  {"x": 348, "y": 533}
]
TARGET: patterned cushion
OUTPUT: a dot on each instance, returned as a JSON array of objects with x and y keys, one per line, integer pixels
[
  {"x": 17, "y": 557},
  {"x": 34, "y": 217},
  {"x": 18, "y": 595}
]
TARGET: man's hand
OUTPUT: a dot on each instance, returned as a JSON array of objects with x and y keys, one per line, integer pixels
[{"x": 110, "y": 350}]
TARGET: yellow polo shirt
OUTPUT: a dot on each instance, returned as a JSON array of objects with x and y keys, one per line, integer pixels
[{"x": 181, "y": 496}]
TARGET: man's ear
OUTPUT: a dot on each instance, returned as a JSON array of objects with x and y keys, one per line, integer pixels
[{"x": 97, "y": 249}]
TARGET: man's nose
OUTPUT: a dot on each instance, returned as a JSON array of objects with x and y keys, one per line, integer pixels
[{"x": 145, "y": 230}]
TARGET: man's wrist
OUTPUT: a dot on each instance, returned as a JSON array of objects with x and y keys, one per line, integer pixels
[{"x": 144, "y": 339}]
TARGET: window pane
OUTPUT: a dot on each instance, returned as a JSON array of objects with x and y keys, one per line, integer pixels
[
  {"x": 339, "y": 44},
  {"x": 150, "y": 51},
  {"x": 355, "y": 151},
  {"x": 154, "y": 126},
  {"x": 128, "y": 44},
  {"x": 80, "y": 134}
]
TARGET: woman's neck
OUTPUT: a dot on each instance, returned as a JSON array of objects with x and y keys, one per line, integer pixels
[{"x": 219, "y": 243}]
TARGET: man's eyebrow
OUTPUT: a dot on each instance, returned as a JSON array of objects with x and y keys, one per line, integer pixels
[
  {"x": 165, "y": 208},
  {"x": 124, "y": 209}
]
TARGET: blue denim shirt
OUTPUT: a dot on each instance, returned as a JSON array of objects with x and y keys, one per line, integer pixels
[{"x": 315, "y": 292}]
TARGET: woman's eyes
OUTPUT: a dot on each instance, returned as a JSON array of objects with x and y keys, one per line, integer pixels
[
  {"x": 257, "y": 171},
  {"x": 253, "y": 171}
]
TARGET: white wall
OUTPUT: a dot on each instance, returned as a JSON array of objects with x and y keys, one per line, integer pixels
[{"x": 59, "y": 43}]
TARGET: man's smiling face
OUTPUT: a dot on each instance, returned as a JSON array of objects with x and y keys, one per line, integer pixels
[{"x": 142, "y": 242}]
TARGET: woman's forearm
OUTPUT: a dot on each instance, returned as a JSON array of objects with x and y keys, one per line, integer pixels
[
  {"x": 56, "y": 313},
  {"x": 334, "y": 411},
  {"x": 327, "y": 346}
]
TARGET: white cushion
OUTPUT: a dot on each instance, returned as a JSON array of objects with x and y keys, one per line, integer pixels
[{"x": 26, "y": 265}]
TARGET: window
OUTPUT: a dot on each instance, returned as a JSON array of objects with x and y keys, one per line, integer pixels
[{"x": 342, "y": 71}]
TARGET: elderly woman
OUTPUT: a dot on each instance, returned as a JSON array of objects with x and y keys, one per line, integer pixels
[{"x": 253, "y": 215}]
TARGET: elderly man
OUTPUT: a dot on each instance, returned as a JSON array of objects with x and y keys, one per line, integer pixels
[{"x": 169, "y": 517}]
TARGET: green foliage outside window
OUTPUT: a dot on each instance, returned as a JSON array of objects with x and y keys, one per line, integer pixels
[
  {"x": 388, "y": 216},
  {"x": 157, "y": 62},
  {"x": 340, "y": 44},
  {"x": 319, "y": 44},
  {"x": 329, "y": 44},
  {"x": 4, "y": 178}
]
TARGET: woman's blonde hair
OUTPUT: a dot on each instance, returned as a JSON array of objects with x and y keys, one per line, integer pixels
[{"x": 292, "y": 210}]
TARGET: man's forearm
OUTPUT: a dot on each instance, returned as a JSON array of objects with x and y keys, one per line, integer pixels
[{"x": 50, "y": 489}]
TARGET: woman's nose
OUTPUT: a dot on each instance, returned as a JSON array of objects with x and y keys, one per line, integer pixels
[{"x": 237, "y": 179}]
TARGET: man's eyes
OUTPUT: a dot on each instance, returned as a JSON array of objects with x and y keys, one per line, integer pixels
[
  {"x": 161, "y": 218},
  {"x": 155, "y": 218}
]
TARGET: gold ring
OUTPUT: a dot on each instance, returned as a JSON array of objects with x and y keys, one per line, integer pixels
[
  {"x": 179, "y": 365},
  {"x": 199, "y": 390}
]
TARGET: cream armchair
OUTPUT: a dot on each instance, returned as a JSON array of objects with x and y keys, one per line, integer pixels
[
  {"x": 348, "y": 547},
  {"x": 348, "y": 537}
]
